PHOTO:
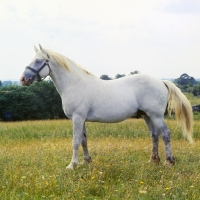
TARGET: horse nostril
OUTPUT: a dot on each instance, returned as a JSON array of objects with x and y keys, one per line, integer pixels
[{"x": 22, "y": 79}]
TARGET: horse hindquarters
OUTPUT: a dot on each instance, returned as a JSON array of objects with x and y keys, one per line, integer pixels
[{"x": 179, "y": 104}]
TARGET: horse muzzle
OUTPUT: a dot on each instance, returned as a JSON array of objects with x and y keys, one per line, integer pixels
[{"x": 27, "y": 81}]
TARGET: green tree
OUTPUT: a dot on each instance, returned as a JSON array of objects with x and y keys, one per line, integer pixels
[
  {"x": 196, "y": 90},
  {"x": 105, "y": 77},
  {"x": 18, "y": 101},
  {"x": 134, "y": 72},
  {"x": 39, "y": 101},
  {"x": 50, "y": 103},
  {"x": 119, "y": 76},
  {"x": 185, "y": 79}
]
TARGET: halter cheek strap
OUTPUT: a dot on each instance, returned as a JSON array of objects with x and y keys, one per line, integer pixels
[{"x": 37, "y": 71}]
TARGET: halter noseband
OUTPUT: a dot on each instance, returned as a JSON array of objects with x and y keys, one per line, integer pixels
[{"x": 37, "y": 71}]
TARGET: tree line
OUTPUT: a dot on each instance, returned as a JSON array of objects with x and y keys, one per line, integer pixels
[
  {"x": 106, "y": 77},
  {"x": 188, "y": 84},
  {"x": 38, "y": 101},
  {"x": 42, "y": 101}
]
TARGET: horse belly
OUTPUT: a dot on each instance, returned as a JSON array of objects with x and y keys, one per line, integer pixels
[
  {"x": 108, "y": 118},
  {"x": 112, "y": 112}
]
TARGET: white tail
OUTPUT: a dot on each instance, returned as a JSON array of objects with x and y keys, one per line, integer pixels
[{"x": 179, "y": 104}]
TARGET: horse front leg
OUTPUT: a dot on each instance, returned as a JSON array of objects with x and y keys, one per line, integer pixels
[
  {"x": 78, "y": 123},
  {"x": 86, "y": 154}
]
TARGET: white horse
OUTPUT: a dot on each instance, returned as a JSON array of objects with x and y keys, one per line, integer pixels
[{"x": 88, "y": 98}]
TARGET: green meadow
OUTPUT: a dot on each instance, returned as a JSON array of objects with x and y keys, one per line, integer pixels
[{"x": 34, "y": 155}]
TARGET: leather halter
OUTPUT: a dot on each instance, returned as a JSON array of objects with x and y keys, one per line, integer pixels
[{"x": 37, "y": 71}]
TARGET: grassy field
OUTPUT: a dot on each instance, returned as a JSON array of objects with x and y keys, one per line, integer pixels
[{"x": 33, "y": 157}]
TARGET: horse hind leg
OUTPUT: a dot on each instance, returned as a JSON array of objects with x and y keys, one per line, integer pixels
[
  {"x": 155, "y": 140},
  {"x": 160, "y": 127},
  {"x": 170, "y": 160}
]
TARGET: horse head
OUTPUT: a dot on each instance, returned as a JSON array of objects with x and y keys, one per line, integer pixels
[{"x": 38, "y": 69}]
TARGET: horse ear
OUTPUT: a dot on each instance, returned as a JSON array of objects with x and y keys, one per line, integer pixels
[
  {"x": 44, "y": 52},
  {"x": 36, "y": 50},
  {"x": 40, "y": 47}
]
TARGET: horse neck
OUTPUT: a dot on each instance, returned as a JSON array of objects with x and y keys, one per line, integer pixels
[
  {"x": 77, "y": 71},
  {"x": 65, "y": 79}
]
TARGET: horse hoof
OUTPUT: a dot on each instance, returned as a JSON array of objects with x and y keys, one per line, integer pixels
[
  {"x": 170, "y": 161},
  {"x": 88, "y": 160},
  {"x": 154, "y": 160},
  {"x": 72, "y": 166}
]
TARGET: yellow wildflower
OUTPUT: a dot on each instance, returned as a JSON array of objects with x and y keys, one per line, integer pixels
[
  {"x": 23, "y": 177},
  {"x": 142, "y": 191}
]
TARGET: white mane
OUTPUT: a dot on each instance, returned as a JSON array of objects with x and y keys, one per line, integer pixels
[{"x": 63, "y": 61}]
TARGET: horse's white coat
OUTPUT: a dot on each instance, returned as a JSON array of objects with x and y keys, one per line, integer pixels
[{"x": 87, "y": 98}]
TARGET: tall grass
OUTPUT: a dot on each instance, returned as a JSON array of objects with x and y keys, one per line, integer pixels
[
  {"x": 33, "y": 157},
  {"x": 194, "y": 100}
]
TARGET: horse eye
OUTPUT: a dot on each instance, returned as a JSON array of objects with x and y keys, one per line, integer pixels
[{"x": 37, "y": 61}]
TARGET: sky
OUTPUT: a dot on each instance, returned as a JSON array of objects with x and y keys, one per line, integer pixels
[{"x": 158, "y": 38}]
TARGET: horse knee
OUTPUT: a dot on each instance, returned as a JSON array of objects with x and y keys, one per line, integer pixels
[{"x": 166, "y": 136}]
